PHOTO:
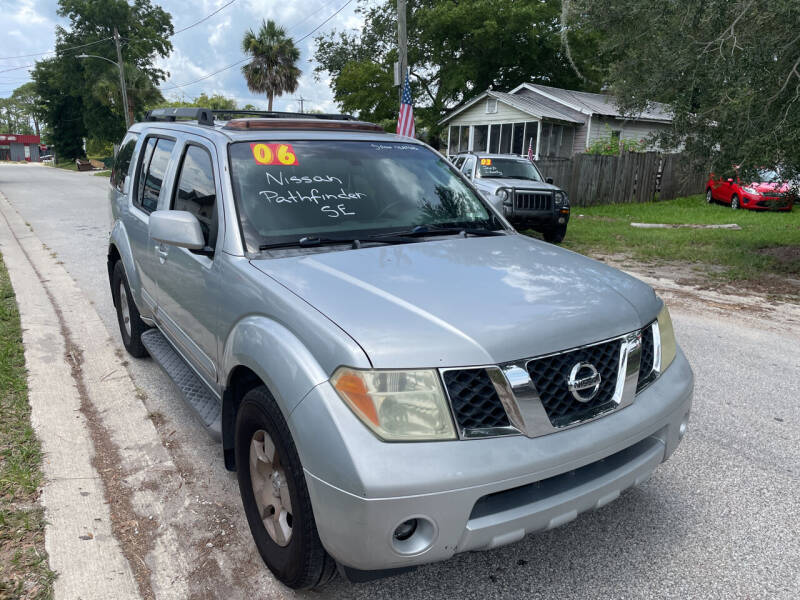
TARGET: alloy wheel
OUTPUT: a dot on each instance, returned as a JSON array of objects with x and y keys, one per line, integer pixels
[
  {"x": 735, "y": 202},
  {"x": 270, "y": 488},
  {"x": 124, "y": 309},
  {"x": 709, "y": 197}
]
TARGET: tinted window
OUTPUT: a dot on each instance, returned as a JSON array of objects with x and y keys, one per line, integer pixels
[
  {"x": 122, "y": 162},
  {"x": 196, "y": 191},
  {"x": 154, "y": 167},
  {"x": 347, "y": 189},
  {"x": 469, "y": 165}
]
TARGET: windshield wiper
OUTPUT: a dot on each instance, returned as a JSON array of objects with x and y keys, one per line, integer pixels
[
  {"x": 426, "y": 231},
  {"x": 314, "y": 241}
]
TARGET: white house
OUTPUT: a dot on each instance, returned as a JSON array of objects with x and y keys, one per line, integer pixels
[{"x": 554, "y": 121}]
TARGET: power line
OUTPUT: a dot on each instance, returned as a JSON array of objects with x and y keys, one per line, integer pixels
[
  {"x": 174, "y": 87},
  {"x": 54, "y": 51},
  {"x": 18, "y": 68},
  {"x": 204, "y": 18},
  {"x": 325, "y": 21}
]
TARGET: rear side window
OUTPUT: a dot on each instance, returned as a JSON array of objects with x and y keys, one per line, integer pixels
[
  {"x": 122, "y": 162},
  {"x": 152, "y": 171},
  {"x": 196, "y": 192}
]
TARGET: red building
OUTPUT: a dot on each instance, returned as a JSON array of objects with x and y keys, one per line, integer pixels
[{"x": 19, "y": 147}]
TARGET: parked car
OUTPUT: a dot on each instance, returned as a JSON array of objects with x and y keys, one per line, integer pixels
[
  {"x": 517, "y": 189},
  {"x": 395, "y": 374},
  {"x": 769, "y": 192}
]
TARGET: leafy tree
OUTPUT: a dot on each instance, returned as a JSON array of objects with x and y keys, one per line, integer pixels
[
  {"x": 29, "y": 104},
  {"x": 456, "y": 50},
  {"x": 273, "y": 69},
  {"x": 87, "y": 90},
  {"x": 728, "y": 69},
  {"x": 13, "y": 118},
  {"x": 214, "y": 102}
]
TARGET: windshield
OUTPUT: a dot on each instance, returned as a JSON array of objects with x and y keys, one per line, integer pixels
[
  {"x": 768, "y": 176},
  {"x": 287, "y": 190},
  {"x": 508, "y": 168}
]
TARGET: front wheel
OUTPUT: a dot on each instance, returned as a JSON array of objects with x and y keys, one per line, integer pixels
[
  {"x": 555, "y": 235},
  {"x": 709, "y": 196},
  {"x": 275, "y": 496},
  {"x": 131, "y": 326},
  {"x": 735, "y": 205}
]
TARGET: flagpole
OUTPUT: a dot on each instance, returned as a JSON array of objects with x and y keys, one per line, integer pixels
[{"x": 402, "y": 43}]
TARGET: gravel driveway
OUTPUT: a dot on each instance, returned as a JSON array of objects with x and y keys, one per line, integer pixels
[{"x": 719, "y": 520}]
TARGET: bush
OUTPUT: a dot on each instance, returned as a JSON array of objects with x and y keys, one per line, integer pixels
[{"x": 612, "y": 146}]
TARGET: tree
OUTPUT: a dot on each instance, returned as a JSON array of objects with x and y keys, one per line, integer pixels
[
  {"x": 728, "y": 69},
  {"x": 214, "y": 102},
  {"x": 273, "y": 69},
  {"x": 456, "y": 50},
  {"x": 29, "y": 103},
  {"x": 81, "y": 97}
]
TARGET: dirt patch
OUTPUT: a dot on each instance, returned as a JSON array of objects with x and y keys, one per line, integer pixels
[{"x": 788, "y": 256}]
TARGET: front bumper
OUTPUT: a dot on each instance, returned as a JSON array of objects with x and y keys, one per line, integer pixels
[
  {"x": 759, "y": 202},
  {"x": 474, "y": 494}
]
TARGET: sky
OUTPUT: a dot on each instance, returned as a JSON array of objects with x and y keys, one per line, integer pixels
[{"x": 28, "y": 26}]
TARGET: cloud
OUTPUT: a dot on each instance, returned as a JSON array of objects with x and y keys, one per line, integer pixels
[{"x": 201, "y": 50}]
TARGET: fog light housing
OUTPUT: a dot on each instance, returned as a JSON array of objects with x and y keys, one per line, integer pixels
[
  {"x": 405, "y": 530},
  {"x": 683, "y": 426},
  {"x": 561, "y": 220}
]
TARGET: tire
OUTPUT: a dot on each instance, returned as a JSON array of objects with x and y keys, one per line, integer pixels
[
  {"x": 709, "y": 196},
  {"x": 554, "y": 235},
  {"x": 296, "y": 558},
  {"x": 131, "y": 326},
  {"x": 735, "y": 205}
]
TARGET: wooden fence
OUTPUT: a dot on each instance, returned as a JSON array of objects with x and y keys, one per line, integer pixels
[{"x": 630, "y": 177}]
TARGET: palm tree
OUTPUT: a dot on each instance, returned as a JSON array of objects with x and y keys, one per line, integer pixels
[{"x": 273, "y": 70}]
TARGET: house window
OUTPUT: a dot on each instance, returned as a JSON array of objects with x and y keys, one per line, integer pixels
[
  {"x": 480, "y": 138},
  {"x": 491, "y": 106},
  {"x": 615, "y": 134},
  {"x": 545, "y": 141},
  {"x": 494, "y": 139},
  {"x": 463, "y": 138},
  {"x": 505, "y": 138},
  {"x": 567, "y": 139},
  {"x": 452, "y": 146},
  {"x": 518, "y": 138},
  {"x": 531, "y": 131}
]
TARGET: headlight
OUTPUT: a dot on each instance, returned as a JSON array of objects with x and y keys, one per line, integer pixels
[
  {"x": 559, "y": 198},
  {"x": 751, "y": 190},
  {"x": 397, "y": 405},
  {"x": 502, "y": 193},
  {"x": 667, "y": 335}
]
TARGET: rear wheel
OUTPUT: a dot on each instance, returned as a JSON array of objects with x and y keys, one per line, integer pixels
[
  {"x": 555, "y": 235},
  {"x": 275, "y": 496},
  {"x": 709, "y": 196},
  {"x": 131, "y": 326},
  {"x": 735, "y": 205}
]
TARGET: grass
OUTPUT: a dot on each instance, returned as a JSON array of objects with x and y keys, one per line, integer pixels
[
  {"x": 768, "y": 243},
  {"x": 68, "y": 165},
  {"x": 103, "y": 174},
  {"x": 24, "y": 572}
]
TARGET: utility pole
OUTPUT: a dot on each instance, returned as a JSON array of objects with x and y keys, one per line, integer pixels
[
  {"x": 301, "y": 100},
  {"x": 402, "y": 44},
  {"x": 125, "y": 105}
]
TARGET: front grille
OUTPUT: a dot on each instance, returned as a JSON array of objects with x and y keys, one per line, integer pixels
[
  {"x": 533, "y": 201},
  {"x": 551, "y": 373},
  {"x": 648, "y": 358},
  {"x": 475, "y": 402}
]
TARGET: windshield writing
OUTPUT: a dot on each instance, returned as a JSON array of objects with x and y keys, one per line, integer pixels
[
  {"x": 343, "y": 189},
  {"x": 508, "y": 168}
]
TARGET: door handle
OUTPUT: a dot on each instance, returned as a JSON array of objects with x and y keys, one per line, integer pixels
[{"x": 162, "y": 251}]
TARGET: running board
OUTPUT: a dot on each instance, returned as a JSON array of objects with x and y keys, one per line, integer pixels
[{"x": 194, "y": 391}]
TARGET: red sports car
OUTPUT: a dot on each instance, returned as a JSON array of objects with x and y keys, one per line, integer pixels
[{"x": 769, "y": 193}]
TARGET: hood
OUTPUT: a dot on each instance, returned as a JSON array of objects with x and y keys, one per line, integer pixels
[
  {"x": 761, "y": 186},
  {"x": 492, "y": 183},
  {"x": 466, "y": 301}
]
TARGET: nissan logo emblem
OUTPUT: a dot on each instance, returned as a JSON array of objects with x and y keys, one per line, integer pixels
[{"x": 584, "y": 381}]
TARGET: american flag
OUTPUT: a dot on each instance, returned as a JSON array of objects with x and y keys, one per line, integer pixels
[
  {"x": 405, "y": 120},
  {"x": 530, "y": 150}
]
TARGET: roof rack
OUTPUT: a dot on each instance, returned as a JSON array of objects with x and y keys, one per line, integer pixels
[{"x": 205, "y": 116}]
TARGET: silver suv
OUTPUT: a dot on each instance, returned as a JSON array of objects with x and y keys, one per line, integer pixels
[
  {"x": 394, "y": 373},
  {"x": 515, "y": 187}
]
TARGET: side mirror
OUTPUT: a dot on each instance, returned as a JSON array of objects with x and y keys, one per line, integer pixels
[
  {"x": 549, "y": 180},
  {"x": 176, "y": 228}
]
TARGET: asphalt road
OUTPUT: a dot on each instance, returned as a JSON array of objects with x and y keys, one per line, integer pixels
[{"x": 721, "y": 519}]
